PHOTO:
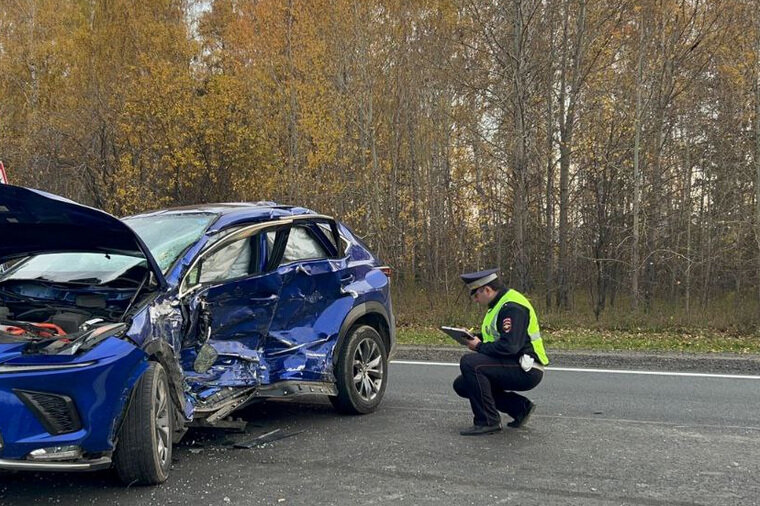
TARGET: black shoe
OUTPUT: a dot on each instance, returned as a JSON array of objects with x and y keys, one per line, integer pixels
[
  {"x": 479, "y": 430},
  {"x": 522, "y": 420}
]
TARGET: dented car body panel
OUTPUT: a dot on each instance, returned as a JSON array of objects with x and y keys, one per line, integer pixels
[{"x": 235, "y": 301}]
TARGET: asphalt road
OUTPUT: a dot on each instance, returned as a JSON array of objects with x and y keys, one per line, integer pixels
[{"x": 596, "y": 438}]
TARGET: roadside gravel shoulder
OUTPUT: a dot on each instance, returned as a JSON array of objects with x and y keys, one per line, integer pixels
[{"x": 722, "y": 363}]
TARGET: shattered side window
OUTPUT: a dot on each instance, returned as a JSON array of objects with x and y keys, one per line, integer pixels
[
  {"x": 167, "y": 236},
  {"x": 344, "y": 244},
  {"x": 301, "y": 246}
]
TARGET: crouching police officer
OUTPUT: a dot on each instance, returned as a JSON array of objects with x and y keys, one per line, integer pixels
[{"x": 510, "y": 356}]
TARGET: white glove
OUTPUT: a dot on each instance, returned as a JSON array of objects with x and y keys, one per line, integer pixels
[{"x": 526, "y": 362}]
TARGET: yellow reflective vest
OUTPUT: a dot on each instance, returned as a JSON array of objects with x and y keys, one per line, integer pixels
[{"x": 490, "y": 326}]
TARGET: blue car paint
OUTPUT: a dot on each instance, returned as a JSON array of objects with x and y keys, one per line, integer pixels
[
  {"x": 279, "y": 326},
  {"x": 309, "y": 316},
  {"x": 100, "y": 392}
]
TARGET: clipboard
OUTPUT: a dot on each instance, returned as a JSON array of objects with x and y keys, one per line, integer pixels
[{"x": 458, "y": 334}]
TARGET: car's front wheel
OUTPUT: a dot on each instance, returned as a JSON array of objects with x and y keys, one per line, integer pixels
[
  {"x": 361, "y": 371},
  {"x": 144, "y": 450}
]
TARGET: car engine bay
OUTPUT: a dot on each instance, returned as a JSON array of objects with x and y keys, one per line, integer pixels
[{"x": 59, "y": 328}]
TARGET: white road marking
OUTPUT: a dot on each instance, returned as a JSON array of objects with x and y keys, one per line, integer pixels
[{"x": 605, "y": 371}]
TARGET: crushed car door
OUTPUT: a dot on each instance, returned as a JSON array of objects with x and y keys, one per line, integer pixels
[
  {"x": 312, "y": 304},
  {"x": 231, "y": 302}
]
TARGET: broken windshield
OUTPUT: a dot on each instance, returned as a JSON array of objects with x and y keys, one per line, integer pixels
[{"x": 167, "y": 236}]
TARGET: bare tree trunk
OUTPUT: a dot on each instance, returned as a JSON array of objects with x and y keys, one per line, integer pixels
[
  {"x": 707, "y": 243},
  {"x": 563, "y": 168},
  {"x": 757, "y": 147},
  {"x": 519, "y": 216},
  {"x": 637, "y": 171},
  {"x": 549, "y": 210},
  {"x": 377, "y": 194},
  {"x": 567, "y": 124},
  {"x": 687, "y": 205},
  {"x": 657, "y": 214},
  {"x": 415, "y": 180},
  {"x": 292, "y": 111}
]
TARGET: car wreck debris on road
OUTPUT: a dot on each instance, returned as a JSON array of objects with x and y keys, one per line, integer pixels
[{"x": 265, "y": 438}]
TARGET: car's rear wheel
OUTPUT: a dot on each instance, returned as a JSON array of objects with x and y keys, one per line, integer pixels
[
  {"x": 361, "y": 371},
  {"x": 144, "y": 450}
]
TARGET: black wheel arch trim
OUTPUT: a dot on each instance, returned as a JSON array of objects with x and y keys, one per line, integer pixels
[
  {"x": 361, "y": 310},
  {"x": 160, "y": 351}
]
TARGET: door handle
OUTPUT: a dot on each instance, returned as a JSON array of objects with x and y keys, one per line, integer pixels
[
  {"x": 345, "y": 280},
  {"x": 352, "y": 293}
]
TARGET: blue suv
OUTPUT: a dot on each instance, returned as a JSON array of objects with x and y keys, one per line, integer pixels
[{"x": 116, "y": 335}]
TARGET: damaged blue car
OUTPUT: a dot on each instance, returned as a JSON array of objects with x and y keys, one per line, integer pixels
[{"x": 117, "y": 335}]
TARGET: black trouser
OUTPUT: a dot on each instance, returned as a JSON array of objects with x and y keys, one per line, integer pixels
[{"x": 490, "y": 382}]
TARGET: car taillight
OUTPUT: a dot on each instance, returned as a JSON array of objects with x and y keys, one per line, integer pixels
[{"x": 386, "y": 270}]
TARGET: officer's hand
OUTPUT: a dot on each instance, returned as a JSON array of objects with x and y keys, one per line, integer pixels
[{"x": 473, "y": 343}]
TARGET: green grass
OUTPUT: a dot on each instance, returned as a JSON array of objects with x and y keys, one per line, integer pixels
[
  {"x": 733, "y": 327},
  {"x": 697, "y": 341}
]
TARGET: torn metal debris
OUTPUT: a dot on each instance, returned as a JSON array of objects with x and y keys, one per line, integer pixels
[{"x": 265, "y": 438}]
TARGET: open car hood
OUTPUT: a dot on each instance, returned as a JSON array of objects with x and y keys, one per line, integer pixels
[{"x": 33, "y": 222}]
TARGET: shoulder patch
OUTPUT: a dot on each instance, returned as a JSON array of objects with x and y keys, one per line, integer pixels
[{"x": 506, "y": 324}]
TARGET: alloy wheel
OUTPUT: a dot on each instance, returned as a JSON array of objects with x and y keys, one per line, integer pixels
[
  {"x": 161, "y": 405},
  {"x": 368, "y": 369}
]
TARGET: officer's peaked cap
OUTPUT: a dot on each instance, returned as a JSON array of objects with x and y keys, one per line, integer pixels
[{"x": 475, "y": 280}]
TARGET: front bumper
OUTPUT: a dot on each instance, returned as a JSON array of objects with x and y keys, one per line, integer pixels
[
  {"x": 39, "y": 404},
  {"x": 77, "y": 465}
]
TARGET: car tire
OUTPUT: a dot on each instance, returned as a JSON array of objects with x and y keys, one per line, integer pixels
[
  {"x": 144, "y": 450},
  {"x": 361, "y": 371}
]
